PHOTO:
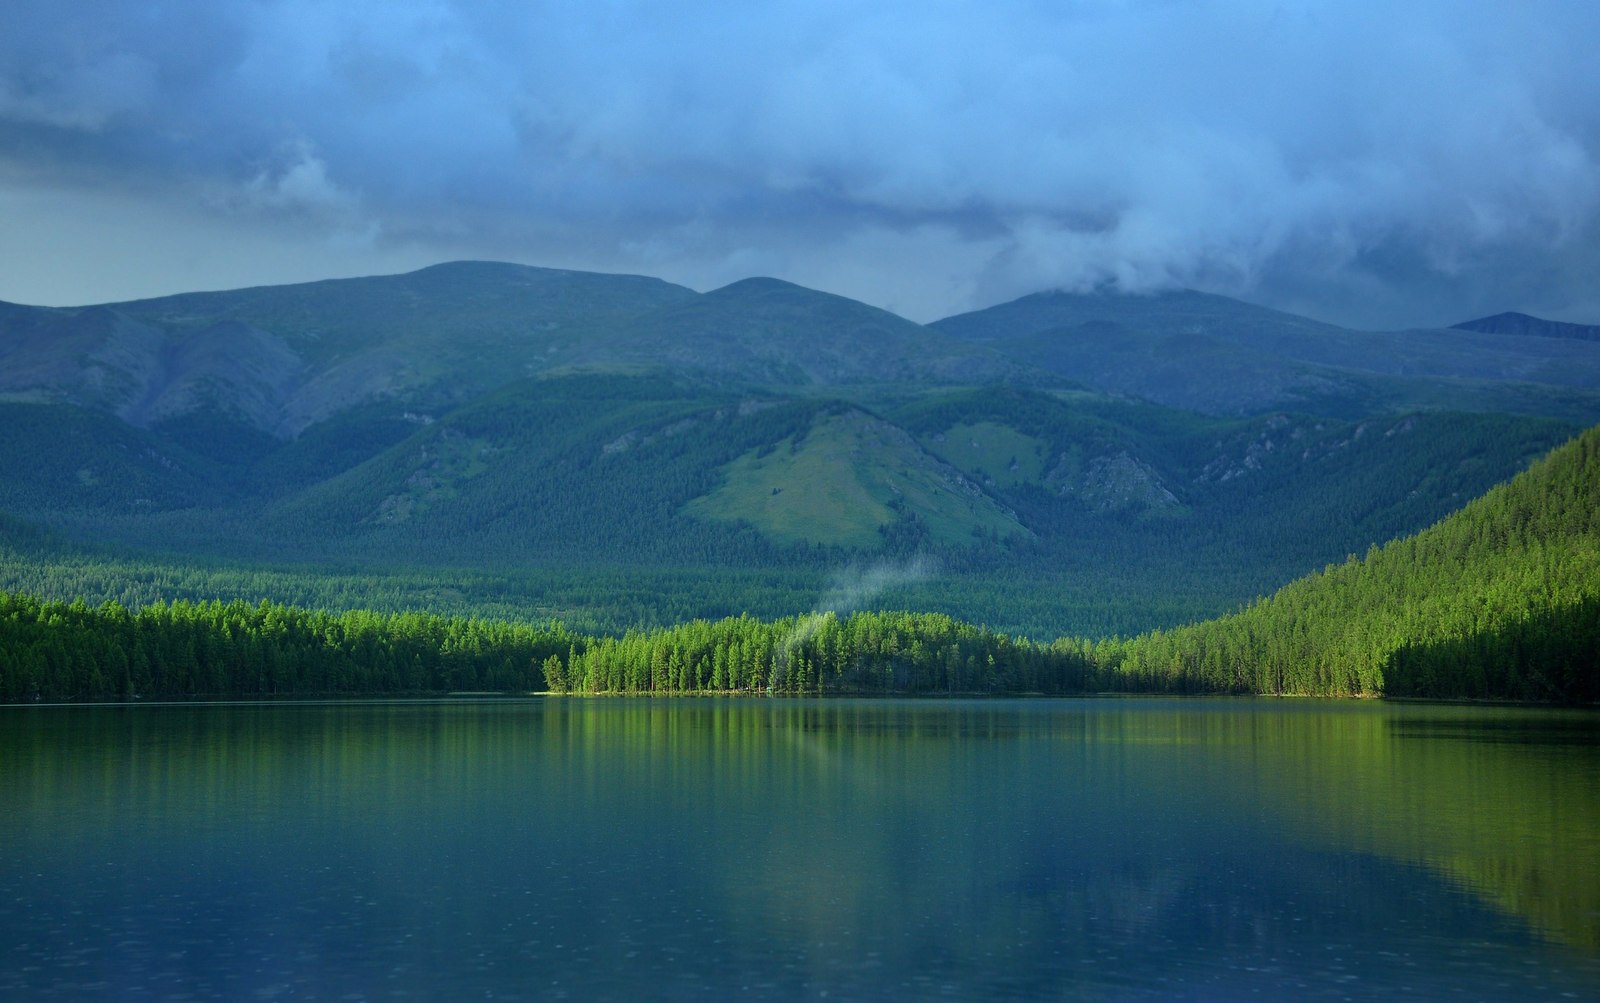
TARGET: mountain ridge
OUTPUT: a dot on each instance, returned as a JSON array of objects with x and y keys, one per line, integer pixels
[
  {"x": 283, "y": 358},
  {"x": 507, "y": 418},
  {"x": 1524, "y": 324},
  {"x": 1213, "y": 354}
]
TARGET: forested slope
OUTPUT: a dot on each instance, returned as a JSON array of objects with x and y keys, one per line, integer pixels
[{"x": 1498, "y": 601}]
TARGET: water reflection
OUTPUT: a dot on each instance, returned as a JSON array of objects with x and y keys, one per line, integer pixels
[{"x": 608, "y": 848}]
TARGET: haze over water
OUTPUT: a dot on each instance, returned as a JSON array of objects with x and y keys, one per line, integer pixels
[{"x": 1078, "y": 849}]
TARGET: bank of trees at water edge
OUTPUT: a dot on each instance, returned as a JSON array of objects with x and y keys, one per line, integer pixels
[
  {"x": 58, "y": 651},
  {"x": 61, "y": 651}
]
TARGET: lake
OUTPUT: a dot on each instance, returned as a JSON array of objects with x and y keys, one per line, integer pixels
[{"x": 632, "y": 848}]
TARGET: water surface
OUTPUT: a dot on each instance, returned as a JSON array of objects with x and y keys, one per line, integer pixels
[{"x": 592, "y": 848}]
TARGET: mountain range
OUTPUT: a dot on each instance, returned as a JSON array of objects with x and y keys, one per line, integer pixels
[{"x": 1136, "y": 460}]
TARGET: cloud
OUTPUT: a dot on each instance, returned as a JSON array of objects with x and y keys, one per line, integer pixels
[
  {"x": 84, "y": 100},
  {"x": 854, "y": 588},
  {"x": 294, "y": 183},
  {"x": 1351, "y": 158}
]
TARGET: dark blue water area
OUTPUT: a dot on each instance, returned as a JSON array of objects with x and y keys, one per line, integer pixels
[{"x": 592, "y": 849}]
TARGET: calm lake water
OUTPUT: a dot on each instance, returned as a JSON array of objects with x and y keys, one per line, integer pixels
[{"x": 624, "y": 849}]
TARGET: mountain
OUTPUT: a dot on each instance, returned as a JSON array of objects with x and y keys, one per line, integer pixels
[
  {"x": 282, "y": 358},
  {"x": 767, "y": 331},
  {"x": 1522, "y": 324},
  {"x": 1220, "y": 356},
  {"x": 476, "y": 432}
]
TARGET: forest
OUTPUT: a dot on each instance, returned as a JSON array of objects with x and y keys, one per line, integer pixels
[
  {"x": 52, "y": 650},
  {"x": 1499, "y": 601},
  {"x": 69, "y": 651}
]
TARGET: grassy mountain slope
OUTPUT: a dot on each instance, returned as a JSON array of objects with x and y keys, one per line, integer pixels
[
  {"x": 566, "y": 468},
  {"x": 1134, "y": 472},
  {"x": 847, "y": 479},
  {"x": 1500, "y": 600}
]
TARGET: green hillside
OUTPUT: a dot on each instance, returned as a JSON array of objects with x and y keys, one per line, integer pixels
[
  {"x": 1499, "y": 601},
  {"x": 848, "y": 479}
]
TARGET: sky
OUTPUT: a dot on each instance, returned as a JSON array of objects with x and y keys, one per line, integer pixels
[{"x": 1379, "y": 164}]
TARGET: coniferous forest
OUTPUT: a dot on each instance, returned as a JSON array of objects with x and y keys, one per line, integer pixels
[{"x": 1498, "y": 601}]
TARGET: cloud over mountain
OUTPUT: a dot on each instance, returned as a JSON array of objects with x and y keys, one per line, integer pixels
[{"x": 1369, "y": 162}]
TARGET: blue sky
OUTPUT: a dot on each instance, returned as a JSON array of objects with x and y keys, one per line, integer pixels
[{"x": 1381, "y": 164}]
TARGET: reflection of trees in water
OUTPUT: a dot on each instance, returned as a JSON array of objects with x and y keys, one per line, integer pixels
[
  {"x": 940, "y": 835},
  {"x": 1499, "y": 800}
]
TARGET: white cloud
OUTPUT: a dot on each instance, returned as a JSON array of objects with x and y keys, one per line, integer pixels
[{"x": 299, "y": 184}]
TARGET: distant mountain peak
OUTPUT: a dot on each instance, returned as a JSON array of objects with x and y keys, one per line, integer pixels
[
  {"x": 1206, "y": 352},
  {"x": 760, "y": 282},
  {"x": 766, "y": 287},
  {"x": 1522, "y": 324},
  {"x": 481, "y": 267}
]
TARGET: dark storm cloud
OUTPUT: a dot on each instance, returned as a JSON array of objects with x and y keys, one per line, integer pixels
[{"x": 1376, "y": 162}]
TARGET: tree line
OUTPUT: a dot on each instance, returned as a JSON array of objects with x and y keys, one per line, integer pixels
[
  {"x": 53, "y": 650},
  {"x": 823, "y": 653}
]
